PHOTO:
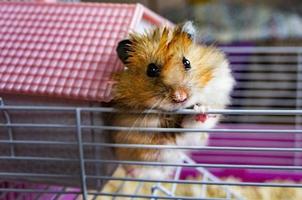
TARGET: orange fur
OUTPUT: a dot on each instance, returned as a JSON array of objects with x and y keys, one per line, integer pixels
[{"x": 206, "y": 76}]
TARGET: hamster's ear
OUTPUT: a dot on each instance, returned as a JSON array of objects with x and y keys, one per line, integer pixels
[
  {"x": 189, "y": 28},
  {"x": 123, "y": 49}
]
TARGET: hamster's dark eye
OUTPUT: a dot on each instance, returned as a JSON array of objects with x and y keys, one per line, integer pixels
[
  {"x": 153, "y": 70},
  {"x": 186, "y": 63}
]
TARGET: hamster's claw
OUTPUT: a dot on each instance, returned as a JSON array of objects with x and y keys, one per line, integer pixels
[{"x": 201, "y": 108}]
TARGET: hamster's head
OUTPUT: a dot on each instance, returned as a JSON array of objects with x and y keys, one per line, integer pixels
[{"x": 166, "y": 69}]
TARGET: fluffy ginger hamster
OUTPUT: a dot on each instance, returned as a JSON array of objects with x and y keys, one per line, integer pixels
[{"x": 166, "y": 69}]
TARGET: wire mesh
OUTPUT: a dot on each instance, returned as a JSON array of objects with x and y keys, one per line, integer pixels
[{"x": 159, "y": 191}]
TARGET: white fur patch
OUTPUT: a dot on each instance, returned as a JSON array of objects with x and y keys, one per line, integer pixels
[{"x": 216, "y": 93}]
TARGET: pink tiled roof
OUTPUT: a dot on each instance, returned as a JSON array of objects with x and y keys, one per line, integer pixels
[{"x": 64, "y": 50}]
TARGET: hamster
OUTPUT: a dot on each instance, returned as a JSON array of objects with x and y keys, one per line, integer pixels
[{"x": 166, "y": 69}]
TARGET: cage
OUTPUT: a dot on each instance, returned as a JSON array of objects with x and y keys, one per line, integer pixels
[{"x": 254, "y": 153}]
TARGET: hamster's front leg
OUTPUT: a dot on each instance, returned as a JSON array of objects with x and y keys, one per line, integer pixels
[{"x": 197, "y": 121}]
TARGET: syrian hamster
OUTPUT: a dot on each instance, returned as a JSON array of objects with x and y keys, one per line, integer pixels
[{"x": 166, "y": 69}]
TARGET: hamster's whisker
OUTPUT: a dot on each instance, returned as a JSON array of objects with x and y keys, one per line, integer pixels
[
  {"x": 148, "y": 111},
  {"x": 140, "y": 116},
  {"x": 164, "y": 99},
  {"x": 136, "y": 120}
]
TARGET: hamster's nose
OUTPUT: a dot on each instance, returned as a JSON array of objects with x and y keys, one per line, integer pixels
[{"x": 179, "y": 95}]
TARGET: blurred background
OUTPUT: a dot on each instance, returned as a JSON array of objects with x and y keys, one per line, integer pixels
[{"x": 273, "y": 22}]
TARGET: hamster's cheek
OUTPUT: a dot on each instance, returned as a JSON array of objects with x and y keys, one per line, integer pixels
[{"x": 152, "y": 103}]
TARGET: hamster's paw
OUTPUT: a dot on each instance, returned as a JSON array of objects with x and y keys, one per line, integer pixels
[
  {"x": 200, "y": 120},
  {"x": 201, "y": 108}
]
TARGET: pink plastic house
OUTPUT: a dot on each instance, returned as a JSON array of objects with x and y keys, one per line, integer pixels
[{"x": 65, "y": 50}]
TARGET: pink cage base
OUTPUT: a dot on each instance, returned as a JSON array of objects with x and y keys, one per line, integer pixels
[{"x": 31, "y": 196}]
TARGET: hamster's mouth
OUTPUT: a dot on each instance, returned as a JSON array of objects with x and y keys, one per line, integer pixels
[
  {"x": 170, "y": 105},
  {"x": 179, "y": 106}
]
